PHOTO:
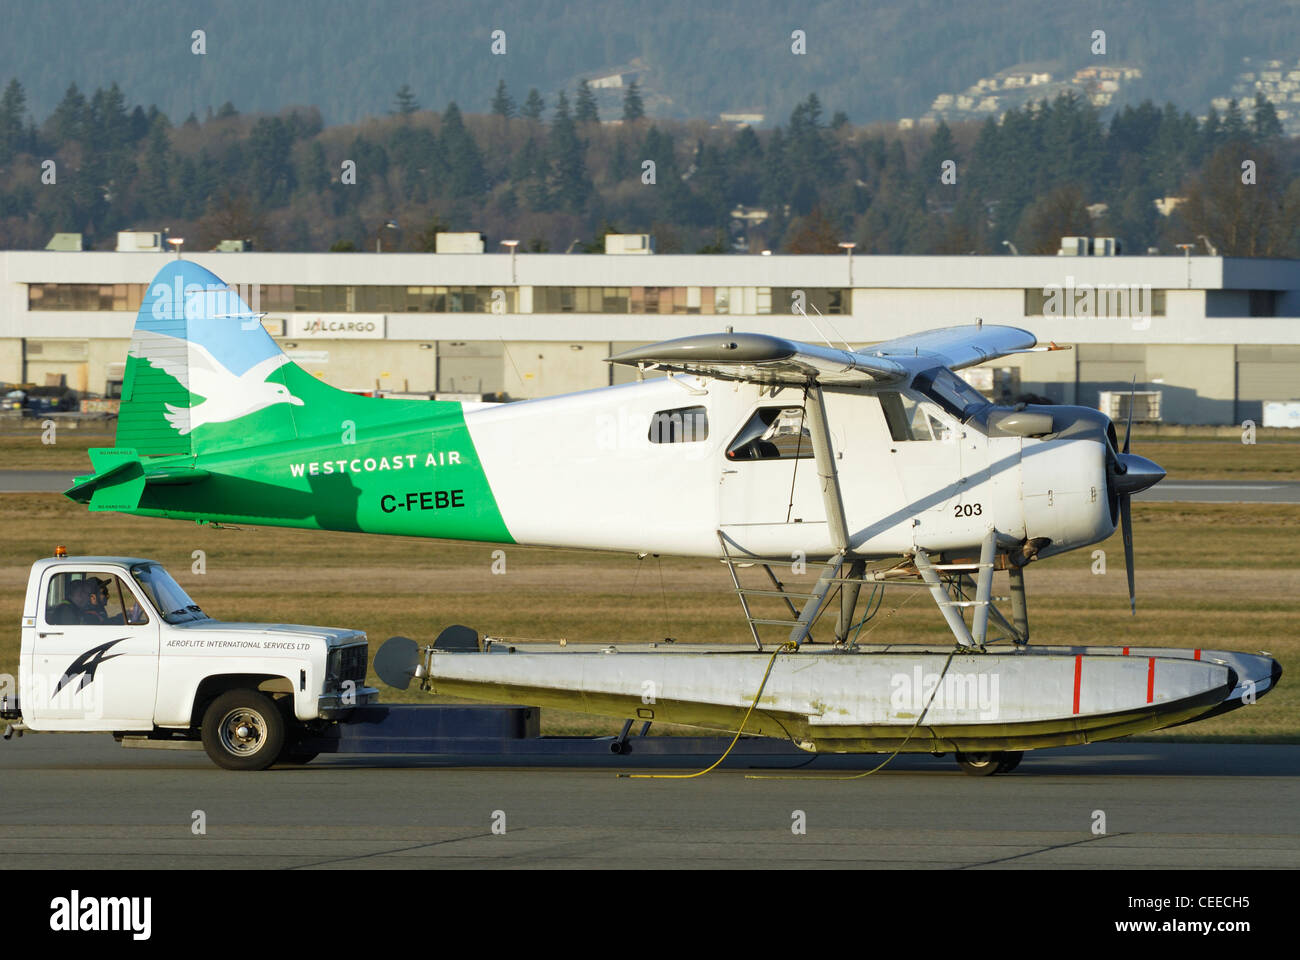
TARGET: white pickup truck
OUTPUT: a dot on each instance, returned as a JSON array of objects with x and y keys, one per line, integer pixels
[{"x": 115, "y": 644}]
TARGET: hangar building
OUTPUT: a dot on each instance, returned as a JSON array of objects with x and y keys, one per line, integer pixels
[{"x": 1215, "y": 336}]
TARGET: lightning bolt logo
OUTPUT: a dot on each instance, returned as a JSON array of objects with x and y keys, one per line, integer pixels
[{"x": 86, "y": 665}]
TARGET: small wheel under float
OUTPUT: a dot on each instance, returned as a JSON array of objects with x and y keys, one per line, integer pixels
[{"x": 986, "y": 763}]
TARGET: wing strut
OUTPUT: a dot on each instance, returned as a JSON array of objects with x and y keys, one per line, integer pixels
[
  {"x": 824, "y": 454},
  {"x": 825, "y": 458}
]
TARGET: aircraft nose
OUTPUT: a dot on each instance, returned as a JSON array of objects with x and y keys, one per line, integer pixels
[{"x": 1138, "y": 474}]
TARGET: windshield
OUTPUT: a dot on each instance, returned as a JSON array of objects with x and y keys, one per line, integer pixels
[
  {"x": 950, "y": 391},
  {"x": 167, "y": 596}
]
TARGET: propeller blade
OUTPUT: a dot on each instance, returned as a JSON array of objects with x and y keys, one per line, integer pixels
[
  {"x": 1126, "y": 520},
  {"x": 1132, "y": 395}
]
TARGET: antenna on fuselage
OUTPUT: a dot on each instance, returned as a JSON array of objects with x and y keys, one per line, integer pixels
[
  {"x": 834, "y": 331},
  {"x": 804, "y": 313}
]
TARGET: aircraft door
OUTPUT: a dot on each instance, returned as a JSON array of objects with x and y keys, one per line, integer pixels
[
  {"x": 95, "y": 656},
  {"x": 769, "y": 475},
  {"x": 926, "y": 449}
]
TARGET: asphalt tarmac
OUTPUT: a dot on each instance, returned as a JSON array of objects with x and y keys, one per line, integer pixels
[{"x": 82, "y": 802}]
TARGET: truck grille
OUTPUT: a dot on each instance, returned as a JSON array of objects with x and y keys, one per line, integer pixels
[{"x": 349, "y": 663}]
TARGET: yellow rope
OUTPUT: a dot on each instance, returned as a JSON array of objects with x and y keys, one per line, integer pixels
[
  {"x": 789, "y": 646},
  {"x": 879, "y": 766},
  {"x": 699, "y": 773}
]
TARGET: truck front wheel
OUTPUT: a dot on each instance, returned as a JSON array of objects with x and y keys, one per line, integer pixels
[{"x": 243, "y": 730}]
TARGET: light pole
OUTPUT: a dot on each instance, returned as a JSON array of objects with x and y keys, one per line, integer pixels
[
  {"x": 847, "y": 247},
  {"x": 1187, "y": 253},
  {"x": 176, "y": 243},
  {"x": 1012, "y": 247},
  {"x": 512, "y": 244},
  {"x": 379, "y": 237}
]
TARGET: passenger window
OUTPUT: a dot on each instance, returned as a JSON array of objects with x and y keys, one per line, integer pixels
[
  {"x": 773, "y": 433},
  {"x": 683, "y": 425}
]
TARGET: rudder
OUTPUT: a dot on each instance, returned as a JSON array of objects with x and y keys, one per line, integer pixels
[{"x": 200, "y": 364}]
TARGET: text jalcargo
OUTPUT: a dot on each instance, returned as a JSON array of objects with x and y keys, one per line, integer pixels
[{"x": 325, "y": 326}]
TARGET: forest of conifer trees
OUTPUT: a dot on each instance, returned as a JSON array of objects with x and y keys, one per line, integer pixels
[{"x": 548, "y": 170}]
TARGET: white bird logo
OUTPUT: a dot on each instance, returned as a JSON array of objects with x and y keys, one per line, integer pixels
[{"x": 226, "y": 396}]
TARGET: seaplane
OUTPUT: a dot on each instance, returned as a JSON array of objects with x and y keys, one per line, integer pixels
[{"x": 877, "y": 466}]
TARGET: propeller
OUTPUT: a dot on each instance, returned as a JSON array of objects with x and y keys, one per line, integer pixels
[{"x": 1130, "y": 474}]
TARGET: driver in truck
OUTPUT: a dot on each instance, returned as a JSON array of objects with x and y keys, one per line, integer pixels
[{"x": 96, "y": 609}]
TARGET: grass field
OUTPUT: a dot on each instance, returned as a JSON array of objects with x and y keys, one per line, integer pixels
[{"x": 1221, "y": 576}]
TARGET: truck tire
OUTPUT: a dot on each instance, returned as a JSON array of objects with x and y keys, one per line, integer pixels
[{"x": 243, "y": 730}]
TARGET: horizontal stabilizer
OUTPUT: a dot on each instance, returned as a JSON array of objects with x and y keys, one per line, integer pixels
[{"x": 120, "y": 478}]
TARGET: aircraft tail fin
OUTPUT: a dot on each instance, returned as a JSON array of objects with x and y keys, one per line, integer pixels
[{"x": 204, "y": 376}]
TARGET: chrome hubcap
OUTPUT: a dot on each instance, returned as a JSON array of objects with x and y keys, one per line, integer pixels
[{"x": 243, "y": 731}]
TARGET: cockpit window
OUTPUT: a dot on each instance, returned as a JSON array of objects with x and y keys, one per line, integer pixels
[
  {"x": 949, "y": 391},
  {"x": 908, "y": 418},
  {"x": 773, "y": 433}
]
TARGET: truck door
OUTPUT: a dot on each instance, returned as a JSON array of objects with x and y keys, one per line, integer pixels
[{"x": 95, "y": 656}]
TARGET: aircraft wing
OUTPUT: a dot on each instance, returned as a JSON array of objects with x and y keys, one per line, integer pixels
[
  {"x": 957, "y": 347},
  {"x": 760, "y": 358}
]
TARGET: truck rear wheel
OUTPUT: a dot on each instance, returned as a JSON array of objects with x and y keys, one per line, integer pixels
[{"x": 243, "y": 730}]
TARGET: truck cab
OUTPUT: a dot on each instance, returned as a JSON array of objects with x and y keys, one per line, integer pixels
[{"x": 115, "y": 644}]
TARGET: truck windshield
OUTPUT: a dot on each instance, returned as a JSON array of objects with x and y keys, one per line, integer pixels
[{"x": 172, "y": 602}]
